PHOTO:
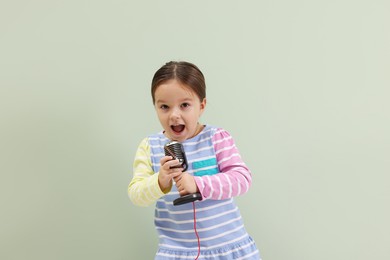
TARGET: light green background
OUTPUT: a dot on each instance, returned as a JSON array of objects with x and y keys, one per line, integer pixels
[{"x": 303, "y": 87}]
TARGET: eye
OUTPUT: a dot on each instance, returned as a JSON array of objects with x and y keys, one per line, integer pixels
[
  {"x": 185, "y": 105},
  {"x": 164, "y": 107}
]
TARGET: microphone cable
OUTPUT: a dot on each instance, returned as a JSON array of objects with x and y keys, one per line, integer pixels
[{"x": 196, "y": 232}]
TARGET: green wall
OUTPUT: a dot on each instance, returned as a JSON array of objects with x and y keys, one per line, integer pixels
[{"x": 303, "y": 87}]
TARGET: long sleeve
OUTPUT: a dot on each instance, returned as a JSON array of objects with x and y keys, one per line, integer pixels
[
  {"x": 143, "y": 189},
  {"x": 234, "y": 177}
]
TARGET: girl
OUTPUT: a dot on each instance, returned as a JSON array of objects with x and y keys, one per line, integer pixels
[{"x": 211, "y": 228}]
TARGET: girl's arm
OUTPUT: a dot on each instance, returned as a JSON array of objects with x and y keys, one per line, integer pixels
[
  {"x": 234, "y": 177},
  {"x": 144, "y": 189}
]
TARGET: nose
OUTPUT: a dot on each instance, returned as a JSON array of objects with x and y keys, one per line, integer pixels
[{"x": 175, "y": 113}]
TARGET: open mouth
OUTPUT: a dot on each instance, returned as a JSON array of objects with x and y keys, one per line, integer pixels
[{"x": 177, "y": 128}]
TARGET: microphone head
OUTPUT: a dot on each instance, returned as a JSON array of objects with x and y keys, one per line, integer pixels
[{"x": 176, "y": 150}]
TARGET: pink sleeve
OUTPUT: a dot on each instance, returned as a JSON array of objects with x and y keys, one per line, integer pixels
[{"x": 234, "y": 177}]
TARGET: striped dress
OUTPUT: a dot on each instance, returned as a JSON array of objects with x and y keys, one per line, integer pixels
[{"x": 220, "y": 175}]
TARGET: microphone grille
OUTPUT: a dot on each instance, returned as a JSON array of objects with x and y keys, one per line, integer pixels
[{"x": 176, "y": 150}]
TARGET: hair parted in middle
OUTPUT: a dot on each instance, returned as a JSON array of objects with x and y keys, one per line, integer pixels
[{"x": 185, "y": 72}]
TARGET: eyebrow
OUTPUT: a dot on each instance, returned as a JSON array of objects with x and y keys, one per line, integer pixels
[
  {"x": 160, "y": 101},
  {"x": 183, "y": 100}
]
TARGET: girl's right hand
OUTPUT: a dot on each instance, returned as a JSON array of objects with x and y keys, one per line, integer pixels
[{"x": 166, "y": 173}]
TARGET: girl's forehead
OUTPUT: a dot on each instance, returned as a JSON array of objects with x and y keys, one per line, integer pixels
[{"x": 174, "y": 87}]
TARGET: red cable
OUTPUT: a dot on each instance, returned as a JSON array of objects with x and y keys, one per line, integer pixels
[{"x": 196, "y": 232}]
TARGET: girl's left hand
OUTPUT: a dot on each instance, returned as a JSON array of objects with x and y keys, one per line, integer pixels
[{"x": 186, "y": 184}]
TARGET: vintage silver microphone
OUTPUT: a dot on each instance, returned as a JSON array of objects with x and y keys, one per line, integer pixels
[{"x": 176, "y": 150}]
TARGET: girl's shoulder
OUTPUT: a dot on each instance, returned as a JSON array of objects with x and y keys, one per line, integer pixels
[
  {"x": 157, "y": 138},
  {"x": 217, "y": 131}
]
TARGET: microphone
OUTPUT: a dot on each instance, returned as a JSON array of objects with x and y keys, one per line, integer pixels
[{"x": 176, "y": 150}]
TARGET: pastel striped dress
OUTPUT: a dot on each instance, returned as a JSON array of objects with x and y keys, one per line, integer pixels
[{"x": 220, "y": 175}]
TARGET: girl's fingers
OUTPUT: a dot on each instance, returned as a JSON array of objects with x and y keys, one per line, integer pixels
[
  {"x": 165, "y": 159},
  {"x": 174, "y": 164},
  {"x": 176, "y": 175}
]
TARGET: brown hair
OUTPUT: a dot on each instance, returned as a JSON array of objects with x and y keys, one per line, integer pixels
[{"x": 186, "y": 73}]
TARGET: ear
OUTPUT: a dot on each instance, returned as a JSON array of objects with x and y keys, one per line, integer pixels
[{"x": 203, "y": 105}]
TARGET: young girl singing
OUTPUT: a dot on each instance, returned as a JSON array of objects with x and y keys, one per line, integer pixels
[{"x": 211, "y": 227}]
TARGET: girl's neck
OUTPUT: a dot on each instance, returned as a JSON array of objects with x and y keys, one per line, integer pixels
[{"x": 199, "y": 129}]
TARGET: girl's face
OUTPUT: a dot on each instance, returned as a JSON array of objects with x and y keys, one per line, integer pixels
[{"x": 178, "y": 109}]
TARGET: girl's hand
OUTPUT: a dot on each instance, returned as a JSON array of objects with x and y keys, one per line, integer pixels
[
  {"x": 167, "y": 173},
  {"x": 186, "y": 184}
]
